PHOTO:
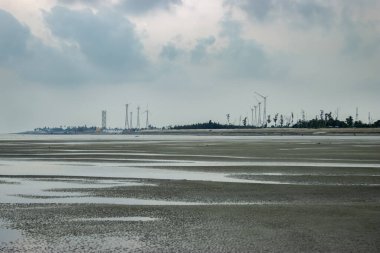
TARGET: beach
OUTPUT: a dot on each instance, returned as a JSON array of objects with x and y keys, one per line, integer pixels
[{"x": 190, "y": 193}]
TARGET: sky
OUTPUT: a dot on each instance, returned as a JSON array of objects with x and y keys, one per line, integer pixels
[{"x": 64, "y": 61}]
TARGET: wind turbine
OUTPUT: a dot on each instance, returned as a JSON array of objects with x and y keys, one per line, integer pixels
[
  {"x": 252, "y": 115},
  {"x": 265, "y": 106},
  {"x": 147, "y": 118},
  {"x": 255, "y": 106},
  {"x": 259, "y": 118}
]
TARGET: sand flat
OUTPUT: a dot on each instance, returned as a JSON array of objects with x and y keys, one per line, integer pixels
[{"x": 242, "y": 193}]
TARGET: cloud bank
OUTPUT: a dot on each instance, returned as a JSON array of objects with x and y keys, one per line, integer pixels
[{"x": 294, "y": 50}]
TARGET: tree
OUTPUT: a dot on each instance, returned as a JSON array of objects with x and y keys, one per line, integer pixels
[
  {"x": 275, "y": 119},
  {"x": 245, "y": 121},
  {"x": 350, "y": 121},
  {"x": 269, "y": 120},
  {"x": 281, "y": 120}
]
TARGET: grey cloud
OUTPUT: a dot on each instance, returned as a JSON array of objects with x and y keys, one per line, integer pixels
[
  {"x": 240, "y": 59},
  {"x": 143, "y": 6},
  {"x": 104, "y": 48},
  {"x": 13, "y": 36},
  {"x": 361, "y": 39},
  {"x": 87, "y": 2},
  {"x": 105, "y": 38},
  {"x": 52, "y": 66},
  {"x": 170, "y": 52},
  {"x": 28, "y": 57},
  {"x": 313, "y": 13},
  {"x": 244, "y": 58},
  {"x": 259, "y": 8},
  {"x": 200, "y": 50},
  {"x": 302, "y": 13}
]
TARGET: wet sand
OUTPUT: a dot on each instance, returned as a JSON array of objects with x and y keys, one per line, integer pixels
[{"x": 190, "y": 194}]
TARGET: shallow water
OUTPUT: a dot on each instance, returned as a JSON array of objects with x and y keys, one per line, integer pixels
[
  {"x": 8, "y": 234},
  {"x": 32, "y": 190},
  {"x": 110, "y": 170},
  {"x": 86, "y": 138},
  {"x": 131, "y": 218}
]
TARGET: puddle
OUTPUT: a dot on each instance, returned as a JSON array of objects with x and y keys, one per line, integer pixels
[
  {"x": 7, "y": 234},
  {"x": 134, "y": 218},
  {"x": 32, "y": 191},
  {"x": 110, "y": 170},
  {"x": 308, "y": 179},
  {"x": 303, "y": 148},
  {"x": 37, "y": 190}
]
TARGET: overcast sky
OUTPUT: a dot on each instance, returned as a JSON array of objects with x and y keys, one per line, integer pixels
[{"x": 63, "y": 61}]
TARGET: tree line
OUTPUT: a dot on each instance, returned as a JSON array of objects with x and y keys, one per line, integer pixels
[{"x": 323, "y": 120}]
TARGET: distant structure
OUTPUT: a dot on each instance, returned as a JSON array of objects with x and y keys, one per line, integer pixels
[
  {"x": 130, "y": 123},
  {"x": 357, "y": 114},
  {"x": 337, "y": 113},
  {"x": 138, "y": 118},
  {"x": 265, "y": 107},
  {"x": 104, "y": 119},
  {"x": 259, "y": 117},
  {"x": 126, "y": 117},
  {"x": 228, "y": 118},
  {"x": 147, "y": 119},
  {"x": 255, "y": 107},
  {"x": 252, "y": 116}
]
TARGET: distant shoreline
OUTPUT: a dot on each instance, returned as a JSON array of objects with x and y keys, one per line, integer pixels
[
  {"x": 268, "y": 131},
  {"x": 243, "y": 132}
]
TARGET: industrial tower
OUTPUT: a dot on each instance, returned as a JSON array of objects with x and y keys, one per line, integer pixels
[
  {"x": 138, "y": 118},
  {"x": 104, "y": 119}
]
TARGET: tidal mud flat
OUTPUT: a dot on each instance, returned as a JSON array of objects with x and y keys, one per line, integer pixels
[{"x": 190, "y": 193}]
